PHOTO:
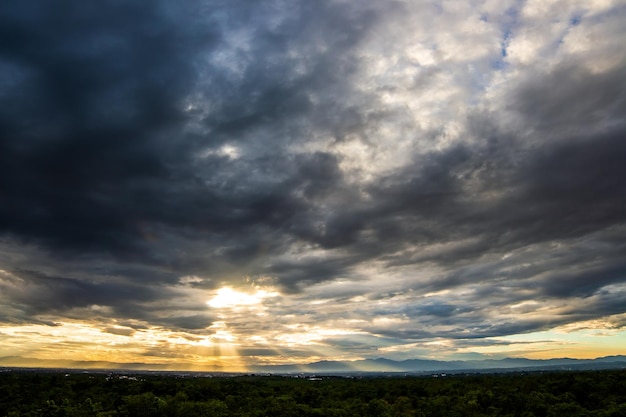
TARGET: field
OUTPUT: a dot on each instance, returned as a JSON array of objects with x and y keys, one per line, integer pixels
[{"x": 40, "y": 393}]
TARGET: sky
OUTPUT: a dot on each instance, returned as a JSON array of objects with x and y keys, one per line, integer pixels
[{"x": 217, "y": 184}]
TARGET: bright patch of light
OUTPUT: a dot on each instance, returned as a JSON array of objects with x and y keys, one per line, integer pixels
[{"x": 226, "y": 297}]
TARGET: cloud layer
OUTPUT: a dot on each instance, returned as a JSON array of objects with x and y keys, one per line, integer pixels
[{"x": 403, "y": 178}]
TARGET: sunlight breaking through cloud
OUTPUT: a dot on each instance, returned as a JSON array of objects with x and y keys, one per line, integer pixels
[{"x": 226, "y": 297}]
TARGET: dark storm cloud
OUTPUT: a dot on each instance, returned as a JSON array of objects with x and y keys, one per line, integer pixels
[
  {"x": 196, "y": 322},
  {"x": 94, "y": 160},
  {"x": 90, "y": 151},
  {"x": 307, "y": 57},
  {"x": 571, "y": 100},
  {"x": 158, "y": 140},
  {"x": 42, "y": 294},
  {"x": 80, "y": 127},
  {"x": 32, "y": 294},
  {"x": 293, "y": 274}
]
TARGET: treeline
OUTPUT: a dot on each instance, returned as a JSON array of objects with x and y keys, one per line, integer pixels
[{"x": 592, "y": 393}]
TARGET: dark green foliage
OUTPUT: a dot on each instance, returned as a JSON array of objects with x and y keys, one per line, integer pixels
[{"x": 589, "y": 394}]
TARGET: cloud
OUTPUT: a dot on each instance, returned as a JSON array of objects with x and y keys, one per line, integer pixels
[{"x": 402, "y": 171}]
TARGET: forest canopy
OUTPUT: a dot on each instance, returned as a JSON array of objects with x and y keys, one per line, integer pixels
[{"x": 51, "y": 394}]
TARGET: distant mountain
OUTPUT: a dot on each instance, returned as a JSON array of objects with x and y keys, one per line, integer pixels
[
  {"x": 21, "y": 362},
  {"x": 380, "y": 365},
  {"x": 424, "y": 365}
]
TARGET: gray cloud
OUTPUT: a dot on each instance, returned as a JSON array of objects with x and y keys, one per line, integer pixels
[{"x": 400, "y": 149}]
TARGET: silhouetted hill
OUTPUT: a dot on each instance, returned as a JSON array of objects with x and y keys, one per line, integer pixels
[
  {"x": 425, "y": 365},
  {"x": 379, "y": 365}
]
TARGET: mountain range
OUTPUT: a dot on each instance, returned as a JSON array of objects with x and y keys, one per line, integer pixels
[
  {"x": 380, "y": 365},
  {"x": 425, "y": 365}
]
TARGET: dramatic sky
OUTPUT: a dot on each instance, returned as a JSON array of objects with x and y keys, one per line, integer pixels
[{"x": 221, "y": 183}]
